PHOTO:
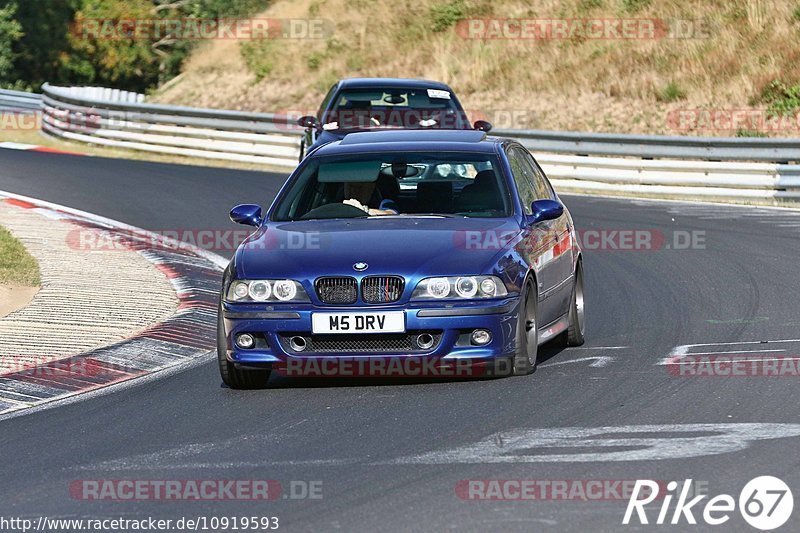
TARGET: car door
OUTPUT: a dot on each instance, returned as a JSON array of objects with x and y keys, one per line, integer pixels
[
  {"x": 537, "y": 239},
  {"x": 560, "y": 227}
]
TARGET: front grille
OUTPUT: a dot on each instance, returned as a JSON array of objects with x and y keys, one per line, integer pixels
[
  {"x": 382, "y": 289},
  {"x": 341, "y": 290},
  {"x": 378, "y": 343}
]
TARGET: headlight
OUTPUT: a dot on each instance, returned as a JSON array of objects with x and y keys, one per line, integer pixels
[
  {"x": 266, "y": 290},
  {"x": 437, "y": 287},
  {"x": 462, "y": 287},
  {"x": 239, "y": 290},
  {"x": 467, "y": 287},
  {"x": 260, "y": 291},
  {"x": 285, "y": 290},
  {"x": 489, "y": 286}
]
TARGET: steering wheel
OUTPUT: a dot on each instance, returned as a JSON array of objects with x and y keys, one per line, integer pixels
[{"x": 335, "y": 210}]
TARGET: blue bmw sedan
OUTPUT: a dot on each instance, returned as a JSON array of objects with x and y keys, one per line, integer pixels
[
  {"x": 371, "y": 104},
  {"x": 439, "y": 247}
]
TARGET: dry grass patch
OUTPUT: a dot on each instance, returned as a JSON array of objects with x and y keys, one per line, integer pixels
[{"x": 573, "y": 84}]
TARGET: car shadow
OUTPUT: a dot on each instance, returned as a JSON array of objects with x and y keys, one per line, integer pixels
[
  {"x": 278, "y": 381},
  {"x": 549, "y": 351}
]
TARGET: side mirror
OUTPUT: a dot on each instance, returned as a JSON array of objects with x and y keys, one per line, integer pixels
[
  {"x": 545, "y": 210},
  {"x": 308, "y": 121},
  {"x": 247, "y": 214},
  {"x": 483, "y": 125}
]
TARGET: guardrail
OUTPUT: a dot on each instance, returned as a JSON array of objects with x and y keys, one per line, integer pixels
[
  {"x": 104, "y": 94},
  {"x": 20, "y": 101},
  {"x": 262, "y": 138},
  {"x": 659, "y": 146},
  {"x": 670, "y": 178},
  {"x": 696, "y": 167}
]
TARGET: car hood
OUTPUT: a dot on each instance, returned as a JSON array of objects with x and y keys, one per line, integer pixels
[{"x": 409, "y": 246}]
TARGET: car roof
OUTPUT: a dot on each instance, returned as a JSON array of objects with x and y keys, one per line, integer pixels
[
  {"x": 391, "y": 83},
  {"x": 412, "y": 140}
]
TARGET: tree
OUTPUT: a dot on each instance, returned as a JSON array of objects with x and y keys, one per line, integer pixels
[
  {"x": 38, "y": 52},
  {"x": 10, "y": 33},
  {"x": 54, "y": 41}
]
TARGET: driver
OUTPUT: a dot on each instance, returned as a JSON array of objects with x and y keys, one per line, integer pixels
[{"x": 360, "y": 194}]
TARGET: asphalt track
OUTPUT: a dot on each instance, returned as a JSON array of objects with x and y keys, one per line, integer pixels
[{"x": 365, "y": 440}]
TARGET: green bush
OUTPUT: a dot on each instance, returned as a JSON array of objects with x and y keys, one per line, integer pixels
[
  {"x": 781, "y": 99},
  {"x": 258, "y": 56},
  {"x": 446, "y": 15},
  {"x": 586, "y": 5},
  {"x": 314, "y": 60},
  {"x": 750, "y": 133},
  {"x": 671, "y": 93},
  {"x": 634, "y": 6}
]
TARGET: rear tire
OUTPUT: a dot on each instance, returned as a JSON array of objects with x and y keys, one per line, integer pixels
[
  {"x": 527, "y": 334},
  {"x": 233, "y": 377},
  {"x": 577, "y": 311}
]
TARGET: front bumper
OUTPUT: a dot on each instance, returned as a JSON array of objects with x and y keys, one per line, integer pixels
[{"x": 449, "y": 323}]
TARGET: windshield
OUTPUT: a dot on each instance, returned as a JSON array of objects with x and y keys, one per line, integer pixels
[
  {"x": 357, "y": 109},
  {"x": 397, "y": 184}
]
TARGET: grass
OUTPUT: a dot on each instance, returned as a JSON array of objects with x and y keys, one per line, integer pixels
[
  {"x": 563, "y": 84},
  {"x": 782, "y": 99},
  {"x": 258, "y": 55},
  {"x": 444, "y": 16},
  {"x": 750, "y": 133},
  {"x": 634, "y": 6},
  {"x": 17, "y": 267},
  {"x": 671, "y": 93}
]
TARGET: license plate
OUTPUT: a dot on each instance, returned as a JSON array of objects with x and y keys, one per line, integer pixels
[{"x": 389, "y": 322}]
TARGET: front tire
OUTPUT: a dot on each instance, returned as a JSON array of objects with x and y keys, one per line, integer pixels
[
  {"x": 233, "y": 377},
  {"x": 527, "y": 334}
]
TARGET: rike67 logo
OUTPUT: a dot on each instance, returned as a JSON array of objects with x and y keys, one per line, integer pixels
[{"x": 765, "y": 503}]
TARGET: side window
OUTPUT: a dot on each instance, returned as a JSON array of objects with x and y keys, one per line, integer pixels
[
  {"x": 326, "y": 102},
  {"x": 527, "y": 194},
  {"x": 540, "y": 183}
]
